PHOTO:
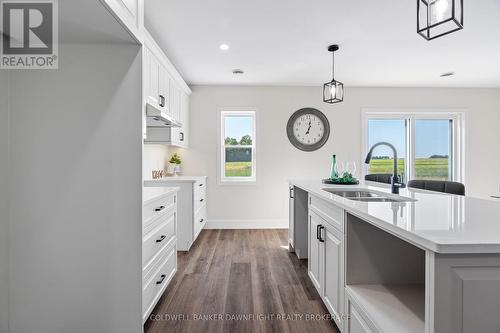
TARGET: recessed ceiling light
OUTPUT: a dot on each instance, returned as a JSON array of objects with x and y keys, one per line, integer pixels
[
  {"x": 238, "y": 71},
  {"x": 224, "y": 47},
  {"x": 447, "y": 74}
]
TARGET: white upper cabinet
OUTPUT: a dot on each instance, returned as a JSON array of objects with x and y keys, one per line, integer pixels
[
  {"x": 166, "y": 90},
  {"x": 152, "y": 69},
  {"x": 130, "y": 13},
  {"x": 164, "y": 95}
]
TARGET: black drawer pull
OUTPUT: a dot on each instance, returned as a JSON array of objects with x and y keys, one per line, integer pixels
[
  {"x": 322, "y": 240},
  {"x": 159, "y": 240},
  {"x": 163, "y": 276},
  {"x": 162, "y": 101},
  {"x": 201, "y": 221},
  {"x": 317, "y": 231},
  {"x": 200, "y": 184},
  {"x": 159, "y": 209},
  {"x": 201, "y": 200}
]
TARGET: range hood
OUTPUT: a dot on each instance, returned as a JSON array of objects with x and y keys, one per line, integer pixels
[{"x": 158, "y": 118}]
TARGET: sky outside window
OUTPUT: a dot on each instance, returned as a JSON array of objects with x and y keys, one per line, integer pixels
[{"x": 237, "y": 126}]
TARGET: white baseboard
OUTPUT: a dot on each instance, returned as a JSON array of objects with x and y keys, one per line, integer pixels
[{"x": 246, "y": 224}]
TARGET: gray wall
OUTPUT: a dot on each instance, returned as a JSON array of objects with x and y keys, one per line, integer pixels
[
  {"x": 278, "y": 160},
  {"x": 75, "y": 227},
  {"x": 4, "y": 222}
]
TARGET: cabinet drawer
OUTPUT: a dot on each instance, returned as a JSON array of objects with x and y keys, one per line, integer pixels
[
  {"x": 199, "y": 184},
  {"x": 199, "y": 198},
  {"x": 152, "y": 223},
  {"x": 200, "y": 219},
  {"x": 158, "y": 206},
  {"x": 332, "y": 214},
  {"x": 158, "y": 281},
  {"x": 158, "y": 237}
]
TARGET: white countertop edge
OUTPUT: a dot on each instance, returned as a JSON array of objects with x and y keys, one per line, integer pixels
[
  {"x": 178, "y": 179},
  {"x": 406, "y": 235}
]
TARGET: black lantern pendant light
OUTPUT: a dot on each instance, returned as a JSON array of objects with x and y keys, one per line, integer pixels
[
  {"x": 436, "y": 18},
  {"x": 333, "y": 91}
]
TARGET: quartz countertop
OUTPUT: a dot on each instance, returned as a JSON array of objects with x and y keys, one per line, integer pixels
[
  {"x": 439, "y": 222},
  {"x": 173, "y": 179}
]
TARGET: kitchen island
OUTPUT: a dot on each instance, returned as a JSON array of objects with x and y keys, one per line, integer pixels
[{"x": 418, "y": 262}]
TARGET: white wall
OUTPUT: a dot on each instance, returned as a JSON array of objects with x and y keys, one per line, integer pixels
[
  {"x": 75, "y": 176},
  {"x": 4, "y": 214},
  {"x": 155, "y": 157},
  {"x": 264, "y": 204}
]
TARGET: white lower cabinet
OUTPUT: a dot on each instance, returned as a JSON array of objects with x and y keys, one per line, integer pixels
[
  {"x": 333, "y": 273},
  {"x": 326, "y": 260},
  {"x": 192, "y": 208},
  {"x": 356, "y": 323},
  {"x": 159, "y": 247},
  {"x": 315, "y": 251}
]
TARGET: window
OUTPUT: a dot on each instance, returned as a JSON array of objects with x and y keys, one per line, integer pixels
[
  {"x": 428, "y": 144},
  {"x": 237, "y": 143}
]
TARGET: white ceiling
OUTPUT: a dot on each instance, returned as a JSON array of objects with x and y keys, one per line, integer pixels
[{"x": 283, "y": 42}]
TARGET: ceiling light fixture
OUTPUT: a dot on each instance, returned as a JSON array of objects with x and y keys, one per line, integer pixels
[
  {"x": 333, "y": 91},
  {"x": 436, "y": 18},
  {"x": 447, "y": 74},
  {"x": 238, "y": 71},
  {"x": 224, "y": 47}
]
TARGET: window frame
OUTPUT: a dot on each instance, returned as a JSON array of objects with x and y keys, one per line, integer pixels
[
  {"x": 411, "y": 115},
  {"x": 235, "y": 112}
]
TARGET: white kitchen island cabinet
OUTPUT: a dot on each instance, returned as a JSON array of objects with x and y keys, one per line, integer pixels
[
  {"x": 428, "y": 264},
  {"x": 192, "y": 208}
]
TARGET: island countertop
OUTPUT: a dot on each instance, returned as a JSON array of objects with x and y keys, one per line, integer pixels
[{"x": 439, "y": 222}]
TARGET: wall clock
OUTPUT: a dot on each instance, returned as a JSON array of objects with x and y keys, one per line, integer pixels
[{"x": 308, "y": 129}]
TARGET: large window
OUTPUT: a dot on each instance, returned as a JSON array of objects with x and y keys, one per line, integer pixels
[
  {"x": 428, "y": 144},
  {"x": 237, "y": 146}
]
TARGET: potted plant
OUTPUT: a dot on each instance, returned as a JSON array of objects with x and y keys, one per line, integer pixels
[{"x": 174, "y": 164}]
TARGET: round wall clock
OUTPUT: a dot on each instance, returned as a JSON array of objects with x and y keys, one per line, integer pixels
[{"x": 308, "y": 129}]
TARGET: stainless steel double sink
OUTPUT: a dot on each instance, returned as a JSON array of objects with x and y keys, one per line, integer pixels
[{"x": 366, "y": 195}]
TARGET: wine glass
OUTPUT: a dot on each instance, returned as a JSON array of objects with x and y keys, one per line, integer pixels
[{"x": 350, "y": 167}]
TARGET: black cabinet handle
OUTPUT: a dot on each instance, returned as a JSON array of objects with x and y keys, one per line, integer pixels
[
  {"x": 291, "y": 192},
  {"x": 200, "y": 185},
  {"x": 159, "y": 240},
  {"x": 162, "y": 101},
  {"x": 201, "y": 200},
  {"x": 159, "y": 209},
  {"x": 201, "y": 221},
  {"x": 317, "y": 231},
  {"x": 181, "y": 136},
  {"x": 321, "y": 228},
  {"x": 160, "y": 281}
]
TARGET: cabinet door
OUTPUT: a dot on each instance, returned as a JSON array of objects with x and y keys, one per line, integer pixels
[
  {"x": 184, "y": 134},
  {"x": 175, "y": 99},
  {"x": 153, "y": 67},
  {"x": 314, "y": 262},
  {"x": 355, "y": 322},
  {"x": 333, "y": 272},
  {"x": 164, "y": 89}
]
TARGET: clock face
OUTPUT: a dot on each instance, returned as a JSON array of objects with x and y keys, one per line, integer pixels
[{"x": 308, "y": 129}]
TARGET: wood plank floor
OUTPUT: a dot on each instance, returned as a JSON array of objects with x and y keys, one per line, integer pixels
[{"x": 240, "y": 272}]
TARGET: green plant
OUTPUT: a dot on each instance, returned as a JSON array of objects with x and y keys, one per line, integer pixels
[{"x": 175, "y": 159}]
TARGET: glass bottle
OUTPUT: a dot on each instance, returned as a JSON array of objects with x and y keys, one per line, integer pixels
[{"x": 333, "y": 171}]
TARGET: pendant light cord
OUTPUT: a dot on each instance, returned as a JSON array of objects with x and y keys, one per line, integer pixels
[{"x": 333, "y": 65}]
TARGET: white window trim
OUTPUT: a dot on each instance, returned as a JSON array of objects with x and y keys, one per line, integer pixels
[
  {"x": 458, "y": 145},
  {"x": 235, "y": 111}
]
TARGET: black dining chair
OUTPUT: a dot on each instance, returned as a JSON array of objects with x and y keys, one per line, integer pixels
[
  {"x": 379, "y": 177},
  {"x": 438, "y": 186}
]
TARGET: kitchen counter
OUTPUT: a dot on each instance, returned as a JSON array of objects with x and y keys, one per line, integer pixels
[
  {"x": 442, "y": 223},
  {"x": 173, "y": 179}
]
